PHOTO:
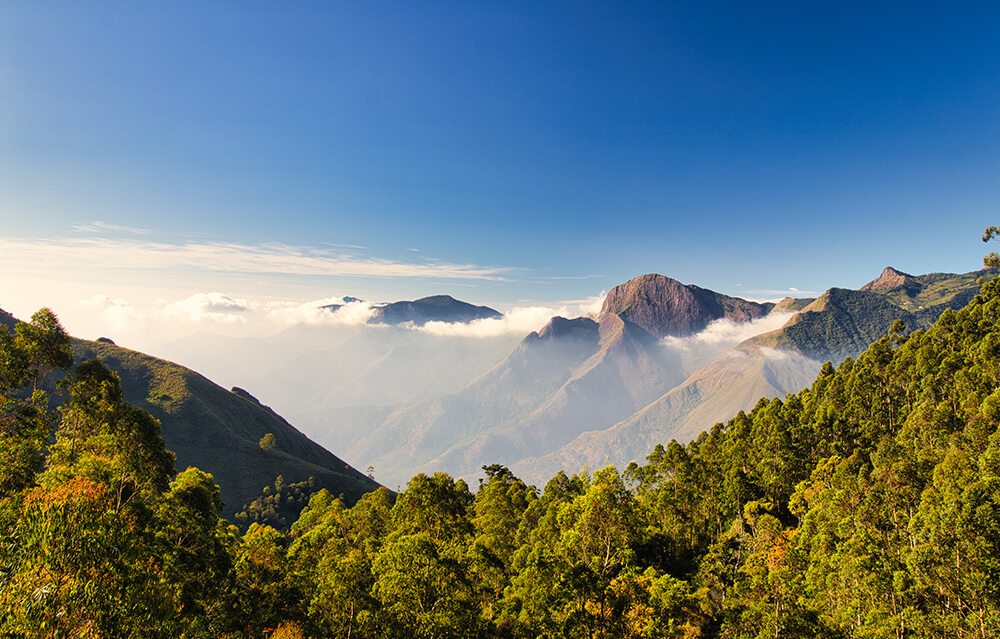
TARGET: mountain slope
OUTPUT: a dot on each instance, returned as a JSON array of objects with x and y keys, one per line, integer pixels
[
  {"x": 219, "y": 431},
  {"x": 572, "y": 377},
  {"x": 629, "y": 370},
  {"x": 733, "y": 381},
  {"x": 413, "y": 435},
  {"x": 842, "y": 323}
]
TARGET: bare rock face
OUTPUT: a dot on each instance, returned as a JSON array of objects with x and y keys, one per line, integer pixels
[
  {"x": 663, "y": 306},
  {"x": 892, "y": 280}
]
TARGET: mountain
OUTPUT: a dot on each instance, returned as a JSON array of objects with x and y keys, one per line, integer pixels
[
  {"x": 344, "y": 301},
  {"x": 629, "y": 369},
  {"x": 663, "y": 306},
  {"x": 892, "y": 280},
  {"x": 437, "y": 308},
  {"x": 842, "y": 323},
  {"x": 571, "y": 377},
  {"x": 219, "y": 431}
]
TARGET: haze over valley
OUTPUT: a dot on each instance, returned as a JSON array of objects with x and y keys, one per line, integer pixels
[{"x": 659, "y": 360}]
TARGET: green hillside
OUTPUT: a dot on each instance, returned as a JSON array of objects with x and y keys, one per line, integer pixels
[
  {"x": 842, "y": 323},
  {"x": 219, "y": 431}
]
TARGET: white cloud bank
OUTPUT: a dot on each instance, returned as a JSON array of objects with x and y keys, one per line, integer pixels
[
  {"x": 232, "y": 315},
  {"x": 210, "y": 307},
  {"x": 721, "y": 335},
  {"x": 350, "y": 313},
  {"x": 519, "y": 320},
  {"x": 114, "y": 312}
]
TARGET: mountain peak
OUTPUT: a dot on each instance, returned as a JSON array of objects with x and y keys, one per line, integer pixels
[
  {"x": 892, "y": 280},
  {"x": 663, "y": 306},
  {"x": 436, "y": 308},
  {"x": 437, "y": 300}
]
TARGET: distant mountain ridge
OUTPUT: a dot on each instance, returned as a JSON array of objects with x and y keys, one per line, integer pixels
[
  {"x": 437, "y": 308},
  {"x": 570, "y": 377},
  {"x": 842, "y": 323}
]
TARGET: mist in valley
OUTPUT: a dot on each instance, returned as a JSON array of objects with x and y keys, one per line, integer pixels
[{"x": 454, "y": 396}]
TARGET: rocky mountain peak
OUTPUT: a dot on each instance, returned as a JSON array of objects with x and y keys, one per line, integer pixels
[
  {"x": 663, "y": 306},
  {"x": 892, "y": 280}
]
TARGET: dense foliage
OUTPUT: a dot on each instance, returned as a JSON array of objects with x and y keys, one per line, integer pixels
[
  {"x": 278, "y": 506},
  {"x": 867, "y": 505}
]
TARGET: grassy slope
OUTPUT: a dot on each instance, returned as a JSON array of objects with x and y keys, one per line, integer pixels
[
  {"x": 219, "y": 431},
  {"x": 842, "y": 323}
]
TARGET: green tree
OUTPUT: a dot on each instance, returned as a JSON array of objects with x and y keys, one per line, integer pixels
[
  {"x": 268, "y": 442},
  {"x": 195, "y": 546},
  {"x": 991, "y": 259},
  {"x": 26, "y": 359}
]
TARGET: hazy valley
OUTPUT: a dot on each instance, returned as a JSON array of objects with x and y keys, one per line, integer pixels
[{"x": 661, "y": 360}]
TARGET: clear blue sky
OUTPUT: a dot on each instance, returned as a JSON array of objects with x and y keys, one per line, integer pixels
[{"x": 499, "y": 152}]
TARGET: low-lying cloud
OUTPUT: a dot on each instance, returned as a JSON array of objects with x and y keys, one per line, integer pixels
[
  {"x": 114, "y": 312},
  {"x": 237, "y": 316},
  {"x": 519, "y": 320},
  {"x": 319, "y": 312},
  {"x": 721, "y": 335},
  {"x": 211, "y": 307}
]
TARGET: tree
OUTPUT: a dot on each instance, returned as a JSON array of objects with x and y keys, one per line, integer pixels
[
  {"x": 26, "y": 358},
  {"x": 194, "y": 545},
  {"x": 104, "y": 437},
  {"x": 991, "y": 259},
  {"x": 268, "y": 442}
]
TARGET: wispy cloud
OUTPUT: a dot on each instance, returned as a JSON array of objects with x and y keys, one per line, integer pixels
[
  {"x": 516, "y": 321},
  {"x": 103, "y": 227},
  {"x": 106, "y": 253}
]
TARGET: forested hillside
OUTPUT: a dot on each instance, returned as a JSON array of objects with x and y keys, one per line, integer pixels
[{"x": 867, "y": 505}]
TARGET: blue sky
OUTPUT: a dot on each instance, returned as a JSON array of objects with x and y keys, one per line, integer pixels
[{"x": 507, "y": 153}]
